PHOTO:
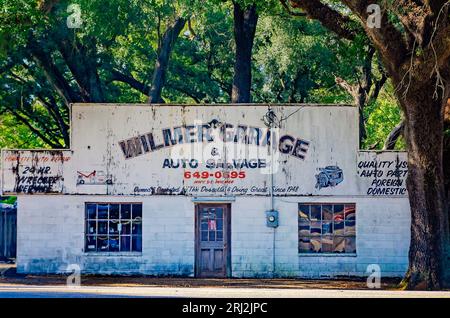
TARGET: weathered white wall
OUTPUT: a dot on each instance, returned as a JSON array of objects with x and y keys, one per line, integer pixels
[{"x": 51, "y": 236}]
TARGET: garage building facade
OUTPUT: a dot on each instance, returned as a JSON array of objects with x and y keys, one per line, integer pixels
[{"x": 211, "y": 191}]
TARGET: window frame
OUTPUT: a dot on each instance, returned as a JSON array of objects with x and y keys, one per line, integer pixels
[
  {"x": 333, "y": 235},
  {"x": 108, "y": 234}
]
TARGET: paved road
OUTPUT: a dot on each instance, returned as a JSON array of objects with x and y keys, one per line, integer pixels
[{"x": 14, "y": 291}]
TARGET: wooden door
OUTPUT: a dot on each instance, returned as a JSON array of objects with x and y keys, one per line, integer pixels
[{"x": 212, "y": 255}]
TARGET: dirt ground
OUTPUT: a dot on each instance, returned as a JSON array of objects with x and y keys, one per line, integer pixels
[{"x": 8, "y": 276}]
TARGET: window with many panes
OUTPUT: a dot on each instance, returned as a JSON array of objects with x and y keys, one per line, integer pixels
[
  {"x": 113, "y": 227},
  {"x": 326, "y": 228}
]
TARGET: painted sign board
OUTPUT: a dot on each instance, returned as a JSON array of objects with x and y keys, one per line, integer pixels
[
  {"x": 220, "y": 150},
  {"x": 33, "y": 172}
]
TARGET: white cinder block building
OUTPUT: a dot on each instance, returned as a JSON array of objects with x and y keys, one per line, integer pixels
[{"x": 221, "y": 191}]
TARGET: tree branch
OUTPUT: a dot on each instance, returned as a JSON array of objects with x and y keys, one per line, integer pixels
[
  {"x": 393, "y": 136},
  {"x": 330, "y": 18},
  {"x": 161, "y": 65}
]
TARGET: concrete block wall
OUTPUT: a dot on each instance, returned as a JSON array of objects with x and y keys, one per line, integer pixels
[
  {"x": 382, "y": 238},
  {"x": 51, "y": 236}
]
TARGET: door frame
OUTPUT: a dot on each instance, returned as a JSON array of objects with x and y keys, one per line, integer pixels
[{"x": 227, "y": 247}]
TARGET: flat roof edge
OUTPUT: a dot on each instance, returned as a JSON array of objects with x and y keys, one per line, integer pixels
[{"x": 215, "y": 105}]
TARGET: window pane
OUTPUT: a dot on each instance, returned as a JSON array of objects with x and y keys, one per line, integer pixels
[
  {"x": 219, "y": 236},
  {"x": 304, "y": 245},
  {"x": 137, "y": 228},
  {"x": 113, "y": 227},
  {"x": 303, "y": 212},
  {"x": 350, "y": 213},
  {"x": 91, "y": 211},
  {"x": 113, "y": 243},
  {"x": 338, "y": 244},
  {"x": 91, "y": 243},
  {"x": 102, "y": 243},
  {"x": 91, "y": 227},
  {"x": 212, "y": 236},
  {"x": 114, "y": 211},
  {"x": 350, "y": 228},
  {"x": 327, "y": 244},
  {"x": 327, "y": 212},
  {"x": 125, "y": 211},
  {"x": 316, "y": 228},
  {"x": 350, "y": 245},
  {"x": 125, "y": 243},
  {"x": 204, "y": 226},
  {"x": 339, "y": 228},
  {"x": 102, "y": 211},
  {"x": 219, "y": 224},
  {"x": 204, "y": 235},
  {"x": 316, "y": 214},
  {"x": 125, "y": 227},
  {"x": 219, "y": 213},
  {"x": 102, "y": 227},
  {"x": 137, "y": 211},
  {"x": 136, "y": 243},
  {"x": 327, "y": 228},
  {"x": 303, "y": 229},
  {"x": 315, "y": 244}
]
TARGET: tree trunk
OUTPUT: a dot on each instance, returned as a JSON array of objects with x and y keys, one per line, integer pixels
[
  {"x": 245, "y": 22},
  {"x": 162, "y": 62},
  {"x": 424, "y": 137}
]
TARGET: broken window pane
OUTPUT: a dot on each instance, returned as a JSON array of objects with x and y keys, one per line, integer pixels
[{"x": 327, "y": 228}]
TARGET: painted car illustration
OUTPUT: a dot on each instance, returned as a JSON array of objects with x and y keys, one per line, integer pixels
[
  {"x": 329, "y": 176},
  {"x": 93, "y": 178}
]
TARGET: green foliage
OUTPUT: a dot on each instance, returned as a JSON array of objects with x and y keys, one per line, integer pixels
[
  {"x": 15, "y": 135},
  {"x": 382, "y": 116},
  {"x": 294, "y": 60}
]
